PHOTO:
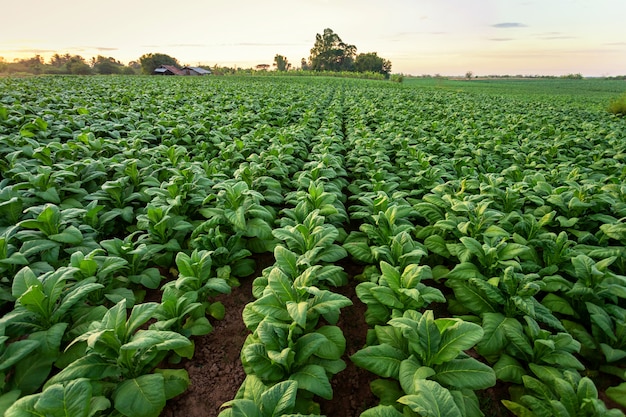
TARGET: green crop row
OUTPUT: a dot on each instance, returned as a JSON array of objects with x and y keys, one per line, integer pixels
[{"x": 489, "y": 229}]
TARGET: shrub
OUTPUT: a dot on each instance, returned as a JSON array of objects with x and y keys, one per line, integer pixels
[{"x": 618, "y": 106}]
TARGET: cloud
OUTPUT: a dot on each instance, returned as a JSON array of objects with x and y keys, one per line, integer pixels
[
  {"x": 501, "y": 39},
  {"x": 506, "y": 25},
  {"x": 33, "y": 51},
  {"x": 550, "y": 36},
  {"x": 616, "y": 44}
]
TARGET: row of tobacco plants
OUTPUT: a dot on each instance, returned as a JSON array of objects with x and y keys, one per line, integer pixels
[{"x": 490, "y": 231}]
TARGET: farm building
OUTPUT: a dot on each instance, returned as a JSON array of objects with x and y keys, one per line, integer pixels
[
  {"x": 172, "y": 70},
  {"x": 168, "y": 70},
  {"x": 196, "y": 71}
]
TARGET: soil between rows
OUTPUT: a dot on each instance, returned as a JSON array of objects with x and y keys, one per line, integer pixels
[{"x": 216, "y": 372}]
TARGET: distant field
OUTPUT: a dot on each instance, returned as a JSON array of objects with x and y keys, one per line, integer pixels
[
  {"x": 591, "y": 90},
  {"x": 460, "y": 245}
]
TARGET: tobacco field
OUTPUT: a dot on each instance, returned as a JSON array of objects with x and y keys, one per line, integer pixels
[{"x": 482, "y": 226}]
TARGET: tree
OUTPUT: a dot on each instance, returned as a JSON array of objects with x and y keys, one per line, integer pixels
[
  {"x": 59, "y": 60},
  {"x": 150, "y": 62},
  {"x": 77, "y": 66},
  {"x": 110, "y": 65},
  {"x": 330, "y": 53},
  {"x": 281, "y": 63},
  {"x": 305, "y": 65},
  {"x": 371, "y": 62},
  {"x": 469, "y": 75}
]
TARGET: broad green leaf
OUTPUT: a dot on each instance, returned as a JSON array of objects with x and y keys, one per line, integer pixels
[
  {"x": 455, "y": 339},
  {"x": 298, "y": 312},
  {"x": 71, "y": 400},
  {"x": 139, "y": 315},
  {"x": 387, "y": 390},
  {"x": 279, "y": 399},
  {"x": 618, "y": 394},
  {"x": 25, "y": 407},
  {"x": 91, "y": 366},
  {"x": 387, "y": 297},
  {"x": 31, "y": 374},
  {"x": 508, "y": 369},
  {"x": 518, "y": 409},
  {"x": 410, "y": 370},
  {"x": 390, "y": 276},
  {"x": 383, "y": 360},
  {"x": 381, "y": 411},
  {"x": 307, "y": 345},
  {"x": 143, "y": 396},
  {"x": 465, "y": 373},
  {"x": 176, "y": 381},
  {"x": 335, "y": 345},
  {"x": 431, "y": 400},
  {"x": 558, "y": 304},
  {"x": 494, "y": 338},
  {"x": 281, "y": 285},
  {"x": 157, "y": 339},
  {"x": 286, "y": 260},
  {"x": 71, "y": 236},
  {"x": 313, "y": 379},
  {"x": 14, "y": 352}
]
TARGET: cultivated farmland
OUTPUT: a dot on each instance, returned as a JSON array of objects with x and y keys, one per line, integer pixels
[{"x": 475, "y": 233}]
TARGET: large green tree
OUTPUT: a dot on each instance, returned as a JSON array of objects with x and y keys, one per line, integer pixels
[
  {"x": 373, "y": 63},
  {"x": 104, "y": 65},
  {"x": 330, "y": 53},
  {"x": 150, "y": 62}
]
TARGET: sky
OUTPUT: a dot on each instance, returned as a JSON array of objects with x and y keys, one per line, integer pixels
[{"x": 446, "y": 37}]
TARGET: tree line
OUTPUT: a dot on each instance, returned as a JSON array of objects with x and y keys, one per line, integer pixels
[{"x": 329, "y": 54}]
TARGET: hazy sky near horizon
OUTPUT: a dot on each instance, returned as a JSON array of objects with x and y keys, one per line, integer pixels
[{"x": 448, "y": 37}]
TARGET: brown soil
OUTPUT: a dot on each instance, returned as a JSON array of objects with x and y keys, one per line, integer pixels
[
  {"x": 216, "y": 372},
  {"x": 215, "y": 369}
]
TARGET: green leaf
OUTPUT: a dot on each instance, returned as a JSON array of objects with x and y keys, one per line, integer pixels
[
  {"x": 71, "y": 236},
  {"x": 25, "y": 407},
  {"x": 31, "y": 374},
  {"x": 92, "y": 366},
  {"x": 298, "y": 311},
  {"x": 279, "y": 399},
  {"x": 382, "y": 411},
  {"x": 9, "y": 398},
  {"x": 176, "y": 381},
  {"x": 313, "y": 379},
  {"x": 508, "y": 369},
  {"x": 464, "y": 271},
  {"x": 455, "y": 339},
  {"x": 436, "y": 244},
  {"x": 360, "y": 250},
  {"x": 386, "y": 296},
  {"x": 286, "y": 260},
  {"x": 157, "y": 339},
  {"x": 431, "y": 400},
  {"x": 71, "y": 400},
  {"x": 494, "y": 338},
  {"x": 335, "y": 344},
  {"x": 143, "y": 396},
  {"x": 139, "y": 315},
  {"x": 390, "y": 276},
  {"x": 558, "y": 304},
  {"x": 14, "y": 352},
  {"x": 465, "y": 373},
  {"x": 518, "y": 409},
  {"x": 387, "y": 390},
  {"x": 383, "y": 360},
  {"x": 617, "y": 394}
]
